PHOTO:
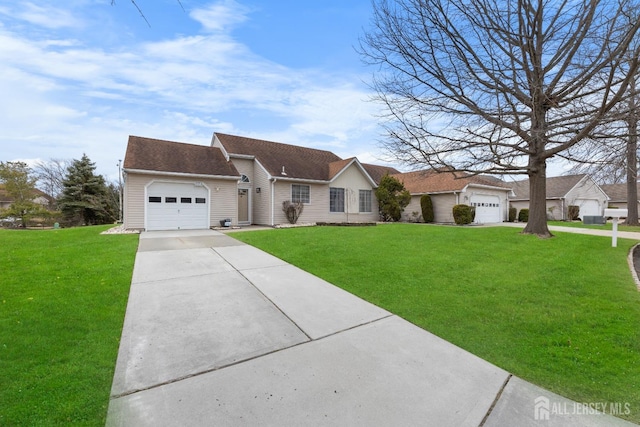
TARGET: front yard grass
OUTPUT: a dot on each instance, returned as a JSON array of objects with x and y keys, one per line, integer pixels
[
  {"x": 563, "y": 313},
  {"x": 63, "y": 295},
  {"x": 607, "y": 226}
]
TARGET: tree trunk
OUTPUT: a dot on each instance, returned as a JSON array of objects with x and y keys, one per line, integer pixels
[
  {"x": 632, "y": 158},
  {"x": 537, "y": 199}
]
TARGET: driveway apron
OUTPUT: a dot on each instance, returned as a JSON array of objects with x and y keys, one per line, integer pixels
[{"x": 220, "y": 333}]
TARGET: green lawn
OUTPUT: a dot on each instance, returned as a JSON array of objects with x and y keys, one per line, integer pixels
[
  {"x": 63, "y": 295},
  {"x": 563, "y": 313}
]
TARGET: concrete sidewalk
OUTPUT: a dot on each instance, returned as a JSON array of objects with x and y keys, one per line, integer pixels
[{"x": 220, "y": 333}]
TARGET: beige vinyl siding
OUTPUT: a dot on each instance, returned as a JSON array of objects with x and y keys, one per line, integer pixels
[
  {"x": 133, "y": 201},
  {"x": 413, "y": 206},
  {"x": 555, "y": 210},
  {"x": 317, "y": 210},
  {"x": 261, "y": 202},
  {"x": 222, "y": 198},
  {"x": 245, "y": 167},
  {"x": 443, "y": 207}
]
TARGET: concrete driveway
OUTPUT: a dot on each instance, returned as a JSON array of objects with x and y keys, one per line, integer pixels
[{"x": 220, "y": 333}]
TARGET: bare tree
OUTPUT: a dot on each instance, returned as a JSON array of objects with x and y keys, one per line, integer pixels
[
  {"x": 113, "y": 2},
  {"x": 497, "y": 87},
  {"x": 50, "y": 176}
]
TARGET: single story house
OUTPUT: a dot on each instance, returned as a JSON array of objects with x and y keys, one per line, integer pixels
[
  {"x": 617, "y": 194},
  {"x": 563, "y": 191},
  {"x": 173, "y": 185},
  {"x": 40, "y": 198},
  {"x": 489, "y": 195}
]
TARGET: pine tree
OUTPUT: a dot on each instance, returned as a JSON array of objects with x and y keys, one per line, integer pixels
[{"x": 84, "y": 197}]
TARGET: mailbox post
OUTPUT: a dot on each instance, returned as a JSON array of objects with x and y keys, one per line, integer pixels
[{"x": 616, "y": 214}]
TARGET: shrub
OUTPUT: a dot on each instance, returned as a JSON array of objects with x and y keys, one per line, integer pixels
[
  {"x": 427, "y": 208},
  {"x": 292, "y": 210},
  {"x": 392, "y": 197},
  {"x": 573, "y": 212},
  {"x": 523, "y": 215},
  {"x": 462, "y": 214},
  {"x": 512, "y": 214}
]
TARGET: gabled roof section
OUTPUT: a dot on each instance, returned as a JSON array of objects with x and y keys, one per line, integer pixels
[
  {"x": 617, "y": 192},
  {"x": 296, "y": 162},
  {"x": 157, "y": 155},
  {"x": 433, "y": 181},
  {"x": 557, "y": 187},
  {"x": 377, "y": 172}
]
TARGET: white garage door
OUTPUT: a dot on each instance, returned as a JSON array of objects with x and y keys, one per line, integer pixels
[
  {"x": 588, "y": 207},
  {"x": 177, "y": 206},
  {"x": 487, "y": 208}
]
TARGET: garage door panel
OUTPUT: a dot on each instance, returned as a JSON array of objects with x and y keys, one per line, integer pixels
[
  {"x": 488, "y": 208},
  {"x": 177, "y": 206}
]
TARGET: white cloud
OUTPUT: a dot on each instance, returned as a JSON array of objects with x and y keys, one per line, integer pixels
[
  {"x": 49, "y": 16},
  {"x": 221, "y": 16},
  {"x": 81, "y": 98}
]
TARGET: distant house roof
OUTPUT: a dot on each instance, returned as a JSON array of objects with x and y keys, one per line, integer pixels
[
  {"x": 6, "y": 198},
  {"x": 376, "y": 172},
  {"x": 617, "y": 192},
  {"x": 432, "y": 181},
  {"x": 557, "y": 187},
  {"x": 154, "y": 155},
  {"x": 284, "y": 160}
]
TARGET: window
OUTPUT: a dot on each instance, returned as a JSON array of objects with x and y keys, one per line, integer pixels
[
  {"x": 185, "y": 199},
  {"x": 154, "y": 199},
  {"x": 201, "y": 200},
  {"x": 365, "y": 200},
  {"x": 244, "y": 178},
  {"x": 336, "y": 199},
  {"x": 299, "y": 193},
  {"x": 171, "y": 200}
]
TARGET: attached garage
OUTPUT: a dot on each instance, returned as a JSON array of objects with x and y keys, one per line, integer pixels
[
  {"x": 588, "y": 207},
  {"x": 177, "y": 206},
  {"x": 488, "y": 209}
]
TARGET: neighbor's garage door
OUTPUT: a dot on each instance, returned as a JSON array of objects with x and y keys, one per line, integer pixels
[
  {"x": 487, "y": 208},
  {"x": 177, "y": 206},
  {"x": 588, "y": 207}
]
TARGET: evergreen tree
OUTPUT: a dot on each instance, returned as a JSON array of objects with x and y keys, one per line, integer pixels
[
  {"x": 392, "y": 198},
  {"x": 84, "y": 198}
]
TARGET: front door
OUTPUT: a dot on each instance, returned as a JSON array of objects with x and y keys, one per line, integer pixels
[{"x": 243, "y": 205}]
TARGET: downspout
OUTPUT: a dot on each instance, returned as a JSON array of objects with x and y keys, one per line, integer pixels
[{"x": 273, "y": 195}]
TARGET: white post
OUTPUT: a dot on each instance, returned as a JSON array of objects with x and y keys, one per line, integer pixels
[{"x": 615, "y": 214}]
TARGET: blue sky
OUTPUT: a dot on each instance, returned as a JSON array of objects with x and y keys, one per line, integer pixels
[{"x": 79, "y": 76}]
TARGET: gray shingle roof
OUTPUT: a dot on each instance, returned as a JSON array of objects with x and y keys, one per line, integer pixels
[
  {"x": 616, "y": 192},
  {"x": 557, "y": 187}
]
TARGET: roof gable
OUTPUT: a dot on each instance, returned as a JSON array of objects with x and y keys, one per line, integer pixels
[
  {"x": 283, "y": 160},
  {"x": 176, "y": 157},
  {"x": 376, "y": 172},
  {"x": 557, "y": 187}
]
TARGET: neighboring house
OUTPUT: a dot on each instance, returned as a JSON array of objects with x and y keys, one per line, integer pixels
[
  {"x": 41, "y": 198},
  {"x": 617, "y": 194},
  {"x": 488, "y": 194},
  {"x": 172, "y": 185},
  {"x": 564, "y": 191}
]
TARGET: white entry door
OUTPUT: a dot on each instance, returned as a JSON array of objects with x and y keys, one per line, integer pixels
[{"x": 177, "y": 206}]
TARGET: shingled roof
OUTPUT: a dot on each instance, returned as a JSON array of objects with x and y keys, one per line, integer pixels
[
  {"x": 557, "y": 187},
  {"x": 168, "y": 156},
  {"x": 617, "y": 192},
  {"x": 296, "y": 162},
  {"x": 432, "y": 181},
  {"x": 376, "y": 172}
]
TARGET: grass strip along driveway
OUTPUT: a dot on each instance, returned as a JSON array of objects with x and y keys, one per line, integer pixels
[
  {"x": 563, "y": 313},
  {"x": 63, "y": 296}
]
